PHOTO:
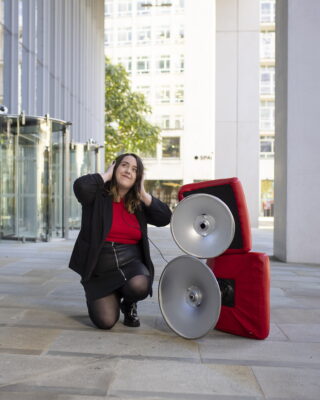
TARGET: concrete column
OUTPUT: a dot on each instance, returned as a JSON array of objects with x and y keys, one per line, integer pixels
[
  {"x": 297, "y": 139},
  {"x": 43, "y": 57},
  {"x": 237, "y": 97},
  {"x": 199, "y": 91},
  {"x": 28, "y": 73},
  {"x": 66, "y": 60},
  {"x": 11, "y": 56},
  {"x": 75, "y": 115},
  {"x": 99, "y": 72},
  {"x": 58, "y": 56}
]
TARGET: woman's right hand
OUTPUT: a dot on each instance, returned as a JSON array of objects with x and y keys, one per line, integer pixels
[{"x": 106, "y": 176}]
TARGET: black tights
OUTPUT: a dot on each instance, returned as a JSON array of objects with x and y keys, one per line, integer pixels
[{"x": 105, "y": 312}]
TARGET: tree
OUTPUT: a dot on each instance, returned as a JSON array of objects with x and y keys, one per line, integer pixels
[{"x": 126, "y": 126}]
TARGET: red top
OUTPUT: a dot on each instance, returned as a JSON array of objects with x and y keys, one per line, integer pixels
[{"x": 125, "y": 227}]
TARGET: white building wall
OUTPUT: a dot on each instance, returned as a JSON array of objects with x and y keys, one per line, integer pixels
[
  {"x": 198, "y": 79},
  {"x": 237, "y": 97},
  {"x": 199, "y": 130},
  {"x": 297, "y": 162},
  {"x": 267, "y": 169}
]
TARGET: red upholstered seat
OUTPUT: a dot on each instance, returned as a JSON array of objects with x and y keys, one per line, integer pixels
[
  {"x": 244, "y": 281},
  {"x": 230, "y": 191}
]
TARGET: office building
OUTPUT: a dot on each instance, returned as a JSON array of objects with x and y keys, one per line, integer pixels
[{"x": 53, "y": 128}]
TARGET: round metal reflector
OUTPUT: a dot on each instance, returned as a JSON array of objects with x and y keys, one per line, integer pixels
[
  {"x": 202, "y": 225},
  {"x": 189, "y": 297}
]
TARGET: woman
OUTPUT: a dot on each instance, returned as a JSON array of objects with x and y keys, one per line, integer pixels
[{"x": 112, "y": 252}]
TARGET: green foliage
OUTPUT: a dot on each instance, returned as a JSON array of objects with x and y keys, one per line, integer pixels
[{"x": 126, "y": 126}]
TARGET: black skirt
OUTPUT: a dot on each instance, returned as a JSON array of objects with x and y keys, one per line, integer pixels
[{"x": 117, "y": 263}]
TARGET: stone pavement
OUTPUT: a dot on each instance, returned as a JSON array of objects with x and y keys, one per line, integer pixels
[{"x": 50, "y": 351}]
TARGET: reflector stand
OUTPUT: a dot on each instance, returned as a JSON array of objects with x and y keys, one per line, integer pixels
[
  {"x": 202, "y": 225},
  {"x": 189, "y": 297}
]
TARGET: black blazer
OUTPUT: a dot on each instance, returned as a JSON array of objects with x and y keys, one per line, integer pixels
[{"x": 90, "y": 191}]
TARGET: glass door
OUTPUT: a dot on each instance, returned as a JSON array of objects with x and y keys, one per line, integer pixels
[
  {"x": 33, "y": 161},
  {"x": 83, "y": 160},
  {"x": 57, "y": 195},
  {"x": 8, "y": 188},
  {"x": 34, "y": 178}
]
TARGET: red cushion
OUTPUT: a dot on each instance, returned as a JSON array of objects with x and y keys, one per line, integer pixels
[
  {"x": 231, "y": 193},
  {"x": 249, "y": 316}
]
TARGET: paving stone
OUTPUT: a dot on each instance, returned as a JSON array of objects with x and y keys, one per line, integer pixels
[
  {"x": 5, "y": 260},
  {"x": 91, "y": 378},
  {"x": 250, "y": 351},
  {"x": 11, "y": 315},
  {"x": 23, "y": 368},
  {"x": 276, "y": 334},
  {"x": 27, "y": 338},
  {"x": 302, "y": 332},
  {"x": 295, "y": 284},
  {"x": 296, "y": 315},
  {"x": 65, "y": 290},
  {"x": 125, "y": 344},
  {"x": 28, "y": 396},
  {"x": 288, "y": 383},
  {"x": 48, "y": 319},
  {"x": 23, "y": 279},
  {"x": 163, "y": 377},
  {"x": 39, "y": 301},
  {"x": 284, "y": 301},
  {"x": 26, "y": 288}
]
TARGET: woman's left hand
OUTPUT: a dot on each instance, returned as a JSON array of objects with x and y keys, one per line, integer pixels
[{"x": 145, "y": 197}]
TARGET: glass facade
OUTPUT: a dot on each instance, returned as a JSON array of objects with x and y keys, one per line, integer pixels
[
  {"x": 84, "y": 159},
  {"x": 37, "y": 164}
]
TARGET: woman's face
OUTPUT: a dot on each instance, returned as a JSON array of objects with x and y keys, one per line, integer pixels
[{"x": 126, "y": 173}]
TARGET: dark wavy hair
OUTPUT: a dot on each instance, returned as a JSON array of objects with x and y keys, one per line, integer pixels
[{"x": 132, "y": 198}]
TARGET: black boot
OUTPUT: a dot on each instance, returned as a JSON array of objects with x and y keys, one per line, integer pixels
[{"x": 130, "y": 314}]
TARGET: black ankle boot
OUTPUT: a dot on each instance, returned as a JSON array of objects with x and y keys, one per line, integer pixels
[{"x": 130, "y": 314}]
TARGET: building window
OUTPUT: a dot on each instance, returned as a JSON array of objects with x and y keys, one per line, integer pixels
[
  {"x": 108, "y": 9},
  {"x": 144, "y": 35},
  {"x": 267, "y": 196},
  {"x": 143, "y": 65},
  {"x": 180, "y": 5},
  {"x": 266, "y": 146},
  {"x": 171, "y": 147},
  {"x": 163, "y": 94},
  {"x": 150, "y": 153},
  {"x": 162, "y": 34},
  {"x": 179, "y": 94},
  {"x": 180, "y": 64},
  {"x": 108, "y": 37},
  {"x": 268, "y": 11},
  {"x": 267, "y": 80},
  {"x": 178, "y": 122},
  {"x": 124, "y": 8},
  {"x": 267, "y": 115},
  {"x": 180, "y": 34},
  {"x": 267, "y": 45},
  {"x": 165, "y": 7},
  {"x": 126, "y": 62},
  {"x": 145, "y": 90},
  {"x": 165, "y": 122},
  {"x": 142, "y": 9},
  {"x": 125, "y": 36},
  {"x": 163, "y": 64}
]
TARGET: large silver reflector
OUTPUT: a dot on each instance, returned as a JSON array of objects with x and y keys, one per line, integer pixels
[
  {"x": 189, "y": 297},
  {"x": 202, "y": 225}
]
